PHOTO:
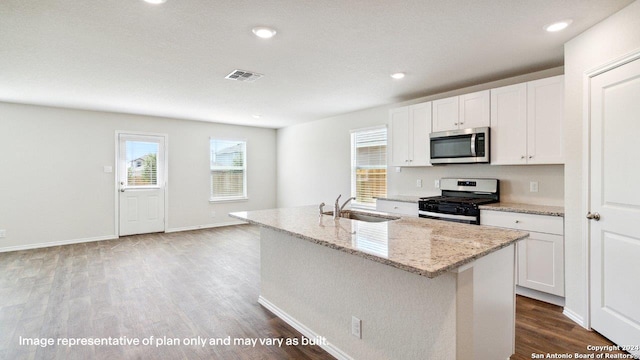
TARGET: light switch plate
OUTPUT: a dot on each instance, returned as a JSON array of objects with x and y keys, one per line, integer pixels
[
  {"x": 3, "y": 233},
  {"x": 436, "y": 184},
  {"x": 419, "y": 183},
  {"x": 108, "y": 169},
  {"x": 356, "y": 327}
]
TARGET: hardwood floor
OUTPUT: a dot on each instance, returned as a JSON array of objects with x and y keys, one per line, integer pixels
[
  {"x": 193, "y": 284},
  {"x": 541, "y": 328}
]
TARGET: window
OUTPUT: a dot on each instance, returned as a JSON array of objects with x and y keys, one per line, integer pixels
[
  {"x": 142, "y": 163},
  {"x": 368, "y": 165},
  {"x": 228, "y": 169}
]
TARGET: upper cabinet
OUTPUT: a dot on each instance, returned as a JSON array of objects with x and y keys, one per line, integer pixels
[
  {"x": 527, "y": 122},
  {"x": 461, "y": 112},
  {"x": 445, "y": 114},
  {"x": 545, "y": 115},
  {"x": 410, "y": 128}
]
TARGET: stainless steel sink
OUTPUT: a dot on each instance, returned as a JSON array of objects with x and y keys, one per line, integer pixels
[{"x": 363, "y": 216}]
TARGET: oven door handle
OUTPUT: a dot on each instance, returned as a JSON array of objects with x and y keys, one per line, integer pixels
[
  {"x": 447, "y": 216},
  {"x": 473, "y": 144}
]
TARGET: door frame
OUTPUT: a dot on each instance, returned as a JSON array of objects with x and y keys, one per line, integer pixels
[
  {"x": 116, "y": 183},
  {"x": 586, "y": 169}
]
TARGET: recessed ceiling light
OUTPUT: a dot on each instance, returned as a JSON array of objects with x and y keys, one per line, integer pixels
[
  {"x": 398, "y": 75},
  {"x": 256, "y": 116},
  {"x": 155, "y": 1},
  {"x": 264, "y": 32},
  {"x": 557, "y": 26}
]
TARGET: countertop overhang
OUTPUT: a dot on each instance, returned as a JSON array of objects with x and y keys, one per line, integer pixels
[{"x": 418, "y": 245}]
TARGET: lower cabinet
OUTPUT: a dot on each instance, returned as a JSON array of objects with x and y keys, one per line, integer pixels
[
  {"x": 397, "y": 207},
  {"x": 540, "y": 257}
]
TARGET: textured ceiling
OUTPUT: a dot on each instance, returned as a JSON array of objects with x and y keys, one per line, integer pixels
[{"x": 329, "y": 57}]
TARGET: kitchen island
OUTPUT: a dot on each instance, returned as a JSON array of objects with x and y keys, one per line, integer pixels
[{"x": 422, "y": 289}]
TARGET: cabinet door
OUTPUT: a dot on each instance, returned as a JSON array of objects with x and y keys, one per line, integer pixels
[
  {"x": 545, "y": 141},
  {"x": 541, "y": 263},
  {"x": 399, "y": 119},
  {"x": 509, "y": 125},
  {"x": 419, "y": 129},
  {"x": 474, "y": 110},
  {"x": 445, "y": 114}
]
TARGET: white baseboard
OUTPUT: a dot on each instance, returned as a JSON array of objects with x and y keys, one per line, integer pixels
[
  {"x": 305, "y": 331},
  {"x": 108, "y": 237},
  {"x": 57, "y": 243},
  {"x": 574, "y": 317},
  {"x": 207, "y": 226}
]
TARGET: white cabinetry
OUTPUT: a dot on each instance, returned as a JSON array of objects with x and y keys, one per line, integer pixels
[
  {"x": 527, "y": 123},
  {"x": 462, "y": 112},
  {"x": 545, "y": 117},
  {"x": 540, "y": 257},
  {"x": 397, "y": 207},
  {"x": 445, "y": 114},
  {"x": 410, "y": 128}
]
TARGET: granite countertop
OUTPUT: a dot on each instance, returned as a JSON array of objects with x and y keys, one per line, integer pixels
[
  {"x": 401, "y": 198},
  {"x": 501, "y": 206},
  {"x": 525, "y": 208},
  {"x": 422, "y": 246}
]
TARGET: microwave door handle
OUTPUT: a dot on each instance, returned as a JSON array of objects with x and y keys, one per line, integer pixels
[{"x": 473, "y": 144}]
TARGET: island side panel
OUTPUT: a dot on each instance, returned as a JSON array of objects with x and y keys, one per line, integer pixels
[
  {"x": 404, "y": 315},
  {"x": 486, "y": 307}
]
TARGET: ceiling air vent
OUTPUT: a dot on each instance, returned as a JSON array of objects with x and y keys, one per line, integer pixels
[{"x": 242, "y": 75}]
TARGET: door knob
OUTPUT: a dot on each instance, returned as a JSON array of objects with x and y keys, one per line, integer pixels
[{"x": 594, "y": 216}]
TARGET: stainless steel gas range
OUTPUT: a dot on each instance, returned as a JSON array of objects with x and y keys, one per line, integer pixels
[{"x": 460, "y": 200}]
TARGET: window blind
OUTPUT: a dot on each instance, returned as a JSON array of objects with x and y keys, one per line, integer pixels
[
  {"x": 228, "y": 169},
  {"x": 369, "y": 164}
]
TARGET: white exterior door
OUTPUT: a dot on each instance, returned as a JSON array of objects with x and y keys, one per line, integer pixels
[
  {"x": 141, "y": 183},
  {"x": 615, "y": 200}
]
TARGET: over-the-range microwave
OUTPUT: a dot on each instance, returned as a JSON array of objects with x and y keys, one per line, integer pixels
[{"x": 463, "y": 146}]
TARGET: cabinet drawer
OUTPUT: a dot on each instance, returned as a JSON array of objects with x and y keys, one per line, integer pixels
[
  {"x": 397, "y": 207},
  {"x": 525, "y": 222}
]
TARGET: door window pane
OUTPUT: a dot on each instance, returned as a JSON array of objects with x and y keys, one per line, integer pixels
[{"x": 142, "y": 163}]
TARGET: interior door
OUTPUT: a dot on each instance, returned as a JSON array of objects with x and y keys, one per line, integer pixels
[
  {"x": 615, "y": 204},
  {"x": 141, "y": 183}
]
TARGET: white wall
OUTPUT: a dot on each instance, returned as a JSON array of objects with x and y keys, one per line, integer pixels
[
  {"x": 314, "y": 164},
  {"x": 612, "y": 38},
  {"x": 53, "y": 188}
]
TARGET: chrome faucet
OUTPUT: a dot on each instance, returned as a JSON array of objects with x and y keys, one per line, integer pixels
[
  {"x": 346, "y": 202},
  {"x": 321, "y": 208},
  {"x": 337, "y": 209}
]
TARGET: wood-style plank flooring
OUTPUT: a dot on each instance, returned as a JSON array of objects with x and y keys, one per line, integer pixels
[{"x": 181, "y": 285}]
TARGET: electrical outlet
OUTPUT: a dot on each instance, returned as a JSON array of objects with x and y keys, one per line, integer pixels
[
  {"x": 436, "y": 184},
  {"x": 107, "y": 169},
  {"x": 3, "y": 233},
  {"x": 356, "y": 327},
  {"x": 419, "y": 183},
  {"x": 533, "y": 186},
  {"x": 398, "y": 169},
  {"x": 213, "y": 213}
]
